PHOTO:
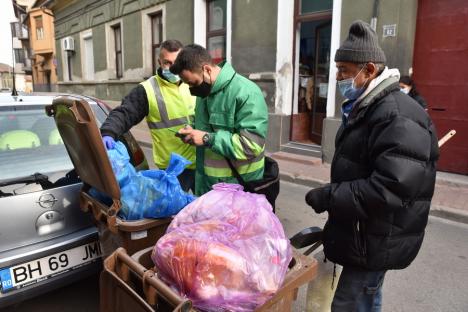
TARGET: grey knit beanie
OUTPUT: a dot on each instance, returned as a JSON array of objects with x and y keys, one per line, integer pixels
[{"x": 361, "y": 46}]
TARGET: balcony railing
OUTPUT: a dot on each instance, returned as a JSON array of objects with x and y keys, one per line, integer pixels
[
  {"x": 19, "y": 31},
  {"x": 20, "y": 55},
  {"x": 27, "y": 65}
]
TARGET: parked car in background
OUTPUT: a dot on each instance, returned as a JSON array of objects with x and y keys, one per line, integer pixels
[{"x": 46, "y": 241}]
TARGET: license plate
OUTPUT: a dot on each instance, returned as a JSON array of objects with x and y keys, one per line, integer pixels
[{"x": 25, "y": 274}]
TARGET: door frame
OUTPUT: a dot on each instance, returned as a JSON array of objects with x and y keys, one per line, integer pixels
[{"x": 298, "y": 19}]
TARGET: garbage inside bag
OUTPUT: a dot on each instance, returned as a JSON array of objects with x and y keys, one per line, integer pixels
[
  {"x": 147, "y": 193},
  {"x": 225, "y": 251}
]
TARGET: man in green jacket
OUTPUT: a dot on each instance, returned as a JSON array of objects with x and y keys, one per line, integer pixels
[{"x": 231, "y": 120}]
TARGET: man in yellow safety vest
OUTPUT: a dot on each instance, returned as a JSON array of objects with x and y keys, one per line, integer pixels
[{"x": 166, "y": 103}]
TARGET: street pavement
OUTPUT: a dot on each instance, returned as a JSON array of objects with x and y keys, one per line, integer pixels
[{"x": 435, "y": 281}]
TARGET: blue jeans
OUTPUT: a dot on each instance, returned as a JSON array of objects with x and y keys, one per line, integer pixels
[{"x": 358, "y": 290}]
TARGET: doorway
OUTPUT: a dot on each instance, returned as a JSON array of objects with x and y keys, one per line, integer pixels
[
  {"x": 48, "y": 82},
  {"x": 312, "y": 64}
]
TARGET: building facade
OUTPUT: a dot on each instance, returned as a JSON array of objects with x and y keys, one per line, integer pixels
[
  {"x": 105, "y": 48},
  {"x": 21, "y": 49},
  {"x": 40, "y": 22},
  {"x": 6, "y": 77}
]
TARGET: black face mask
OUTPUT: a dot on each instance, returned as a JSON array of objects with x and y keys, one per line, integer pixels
[{"x": 202, "y": 90}]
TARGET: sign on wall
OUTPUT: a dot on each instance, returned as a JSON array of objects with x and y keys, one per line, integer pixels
[{"x": 389, "y": 30}]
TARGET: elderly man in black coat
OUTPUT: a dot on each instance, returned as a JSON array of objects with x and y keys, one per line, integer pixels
[{"x": 382, "y": 175}]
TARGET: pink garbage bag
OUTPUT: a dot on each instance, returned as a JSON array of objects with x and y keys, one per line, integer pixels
[{"x": 226, "y": 251}]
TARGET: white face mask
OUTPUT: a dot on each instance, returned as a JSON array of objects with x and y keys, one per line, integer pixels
[
  {"x": 170, "y": 76},
  {"x": 405, "y": 90}
]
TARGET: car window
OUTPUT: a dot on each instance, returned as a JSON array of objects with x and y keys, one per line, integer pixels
[{"x": 30, "y": 143}]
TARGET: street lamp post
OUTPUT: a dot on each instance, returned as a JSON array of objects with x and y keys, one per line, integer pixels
[{"x": 13, "y": 91}]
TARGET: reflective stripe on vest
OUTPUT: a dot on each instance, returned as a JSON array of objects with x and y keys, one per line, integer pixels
[
  {"x": 164, "y": 122},
  {"x": 164, "y": 100},
  {"x": 217, "y": 166}
]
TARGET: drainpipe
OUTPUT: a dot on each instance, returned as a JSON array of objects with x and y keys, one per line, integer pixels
[{"x": 375, "y": 12}]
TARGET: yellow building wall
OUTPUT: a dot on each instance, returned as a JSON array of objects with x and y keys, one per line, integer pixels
[{"x": 43, "y": 49}]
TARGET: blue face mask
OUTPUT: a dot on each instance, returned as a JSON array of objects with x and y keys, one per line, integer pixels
[
  {"x": 405, "y": 90},
  {"x": 348, "y": 90},
  {"x": 170, "y": 76}
]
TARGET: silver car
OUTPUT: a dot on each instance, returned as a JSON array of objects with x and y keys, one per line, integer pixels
[{"x": 46, "y": 241}]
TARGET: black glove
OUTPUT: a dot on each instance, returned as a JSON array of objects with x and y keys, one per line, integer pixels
[{"x": 319, "y": 199}]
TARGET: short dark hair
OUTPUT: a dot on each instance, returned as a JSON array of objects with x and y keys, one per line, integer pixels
[
  {"x": 171, "y": 45},
  {"x": 406, "y": 80},
  {"x": 191, "y": 58}
]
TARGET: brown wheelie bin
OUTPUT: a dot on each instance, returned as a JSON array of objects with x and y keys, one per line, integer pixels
[
  {"x": 82, "y": 138},
  {"x": 132, "y": 282}
]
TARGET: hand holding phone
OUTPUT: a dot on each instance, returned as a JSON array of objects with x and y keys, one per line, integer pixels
[{"x": 177, "y": 133}]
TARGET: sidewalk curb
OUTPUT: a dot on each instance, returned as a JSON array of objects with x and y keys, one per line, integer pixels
[
  {"x": 451, "y": 183},
  {"x": 436, "y": 210},
  {"x": 449, "y": 213},
  {"x": 288, "y": 177}
]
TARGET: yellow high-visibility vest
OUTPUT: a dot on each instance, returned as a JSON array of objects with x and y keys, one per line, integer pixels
[{"x": 171, "y": 106}]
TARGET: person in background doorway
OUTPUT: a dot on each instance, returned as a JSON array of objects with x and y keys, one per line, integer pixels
[
  {"x": 166, "y": 103},
  {"x": 407, "y": 86}
]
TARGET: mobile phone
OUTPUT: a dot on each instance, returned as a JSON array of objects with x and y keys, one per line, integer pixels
[
  {"x": 180, "y": 135},
  {"x": 177, "y": 134}
]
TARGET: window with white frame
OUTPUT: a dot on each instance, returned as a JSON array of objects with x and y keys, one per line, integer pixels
[
  {"x": 87, "y": 55},
  {"x": 117, "y": 33},
  {"x": 216, "y": 29},
  {"x": 215, "y": 33},
  {"x": 39, "y": 27},
  {"x": 114, "y": 52},
  {"x": 156, "y": 38},
  {"x": 67, "y": 58},
  {"x": 153, "y": 26}
]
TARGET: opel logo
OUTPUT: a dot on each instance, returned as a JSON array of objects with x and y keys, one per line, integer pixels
[{"x": 47, "y": 201}]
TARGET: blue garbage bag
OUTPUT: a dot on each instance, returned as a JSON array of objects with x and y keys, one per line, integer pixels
[
  {"x": 122, "y": 168},
  {"x": 148, "y": 193},
  {"x": 120, "y": 162},
  {"x": 155, "y": 193}
]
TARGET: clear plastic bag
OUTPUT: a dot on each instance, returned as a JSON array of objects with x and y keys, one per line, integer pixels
[{"x": 225, "y": 251}]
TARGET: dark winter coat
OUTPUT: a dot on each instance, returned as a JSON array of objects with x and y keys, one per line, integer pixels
[
  {"x": 133, "y": 109},
  {"x": 382, "y": 182},
  {"x": 418, "y": 98}
]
